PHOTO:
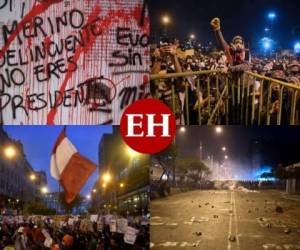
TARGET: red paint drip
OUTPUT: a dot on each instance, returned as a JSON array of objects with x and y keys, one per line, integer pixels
[
  {"x": 47, "y": 42},
  {"x": 78, "y": 52},
  {"x": 145, "y": 79},
  {"x": 103, "y": 25}
]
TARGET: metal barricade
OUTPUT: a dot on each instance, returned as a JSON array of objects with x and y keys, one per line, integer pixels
[{"x": 234, "y": 99}]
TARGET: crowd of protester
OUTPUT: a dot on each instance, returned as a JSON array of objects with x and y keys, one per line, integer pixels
[
  {"x": 167, "y": 59},
  {"x": 48, "y": 233}
]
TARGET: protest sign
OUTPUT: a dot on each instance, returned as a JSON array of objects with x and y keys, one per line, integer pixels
[
  {"x": 130, "y": 235},
  {"x": 94, "y": 217},
  {"x": 113, "y": 225},
  {"x": 122, "y": 225}
]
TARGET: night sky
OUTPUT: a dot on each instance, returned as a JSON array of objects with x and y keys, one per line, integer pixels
[
  {"x": 277, "y": 144},
  {"x": 38, "y": 142},
  {"x": 239, "y": 17}
]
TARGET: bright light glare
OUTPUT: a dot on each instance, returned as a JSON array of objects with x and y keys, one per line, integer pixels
[
  {"x": 297, "y": 47},
  {"x": 272, "y": 15},
  {"x": 106, "y": 177},
  {"x": 267, "y": 43},
  {"x": 44, "y": 190},
  {"x": 192, "y": 36},
  {"x": 219, "y": 130},
  {"x": 10, "y": 152},
  {"x": 166, "y": 19}
]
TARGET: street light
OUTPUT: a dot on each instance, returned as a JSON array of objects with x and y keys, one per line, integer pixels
[
  {"x": 166, "y": 20},
  {"x": 121, "y": 185},
  {"x": 104, "y": 185},
  {"x": 94, "y": 190},
  {"x": 88, "y": 196},
  {"x": 32, "y": 177},
  {"x": 192, "y": 36},
  {"x": 106, "y": 177},
  {"x": 10, "y": 152},
  {"x": 44, "y": 190},
  {"x": 272, "y": 15},
  {"x": 224, "y": 149},
  {"x": 226, "y": 157}
]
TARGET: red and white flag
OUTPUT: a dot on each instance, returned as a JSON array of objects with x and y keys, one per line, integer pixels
[{"x": 70, "y": 168}]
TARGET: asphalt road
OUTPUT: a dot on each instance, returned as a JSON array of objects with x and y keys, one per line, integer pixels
[{"x": 207, "y": 219}]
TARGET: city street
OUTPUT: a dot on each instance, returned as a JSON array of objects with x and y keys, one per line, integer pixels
[{"x": 224, "y": 220}]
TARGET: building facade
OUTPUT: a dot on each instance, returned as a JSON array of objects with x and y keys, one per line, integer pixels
[
  {"x": 128, "y": 190},
  {"x": 16, "y": 186}
]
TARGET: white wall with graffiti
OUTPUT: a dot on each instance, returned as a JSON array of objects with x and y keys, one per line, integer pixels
[{"x": 72, "y": 62}]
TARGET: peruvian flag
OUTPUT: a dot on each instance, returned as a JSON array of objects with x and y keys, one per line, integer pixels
[{"x": 70, "y": 168}]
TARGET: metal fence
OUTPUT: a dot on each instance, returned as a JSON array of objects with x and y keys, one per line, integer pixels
[{"x": 230, "y": 99}]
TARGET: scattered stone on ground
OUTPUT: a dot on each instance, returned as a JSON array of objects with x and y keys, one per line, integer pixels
[
  {"x": 279, "y": 209},
  {"x": 232, "y": 238},
  {"x": 198, "y": 233}
]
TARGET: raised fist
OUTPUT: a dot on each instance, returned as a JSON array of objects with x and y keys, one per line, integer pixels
[{"x": 216, "y": 23}]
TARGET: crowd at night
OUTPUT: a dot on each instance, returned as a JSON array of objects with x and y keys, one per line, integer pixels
[
  {"x": 41, "y": 232},
  {"x": 225, "y": 59},
  {"x": 283, "y": 69}
]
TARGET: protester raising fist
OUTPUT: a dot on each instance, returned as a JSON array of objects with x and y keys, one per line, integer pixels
[{"x": 216, "y": 23}]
